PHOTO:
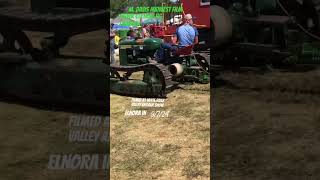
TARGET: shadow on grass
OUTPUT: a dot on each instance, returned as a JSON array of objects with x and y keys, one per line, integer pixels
[{"x": 57, "y": 106}]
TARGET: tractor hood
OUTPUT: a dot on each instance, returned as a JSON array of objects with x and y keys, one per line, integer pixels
[{"x": 148, "y": 43}]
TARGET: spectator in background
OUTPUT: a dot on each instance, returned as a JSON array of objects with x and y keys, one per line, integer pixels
[
  {"x": 139, "y": 32},
  {"x": 112, "y": 47},
  {"x": 145, "y": 31},
  {"x": 117, "y": 38},
  {"x": 131, "y": 35}
]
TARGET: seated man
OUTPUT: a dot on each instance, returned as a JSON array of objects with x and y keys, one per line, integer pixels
[
  {"x": 187, "y": 35},
  {"x": 131, "y": 35}
]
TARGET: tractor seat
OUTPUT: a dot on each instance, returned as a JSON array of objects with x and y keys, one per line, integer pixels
[{"x": 185, "y": 51}]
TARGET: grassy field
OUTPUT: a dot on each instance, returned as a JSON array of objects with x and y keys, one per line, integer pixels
[
  {"x": 175, "y": 147},
  {"x": 265, "y": 126}
]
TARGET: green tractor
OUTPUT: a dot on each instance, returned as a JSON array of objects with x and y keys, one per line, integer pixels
[
  {"x": 280, "y": 33},
  {"x": 44, "y": 74},
  {"x": 158, "y": 78}
]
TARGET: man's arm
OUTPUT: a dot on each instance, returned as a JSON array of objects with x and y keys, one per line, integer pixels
[
  {"x": 196, "y": 40},
  {"x": 196, "y": 37},
  {"x": 176, "y": 35}
]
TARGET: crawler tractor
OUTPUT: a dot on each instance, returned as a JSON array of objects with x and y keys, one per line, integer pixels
[
  {"x": 259, "y": 32},
  {"x": 158, "y": 77},
  {"x": 44, "y": 74}
]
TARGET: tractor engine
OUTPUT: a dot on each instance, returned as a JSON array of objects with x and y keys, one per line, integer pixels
[{"x": 138, "y": 51}]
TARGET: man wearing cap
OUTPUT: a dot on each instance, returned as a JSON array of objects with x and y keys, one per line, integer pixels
[{"x": 187, "y": 35}]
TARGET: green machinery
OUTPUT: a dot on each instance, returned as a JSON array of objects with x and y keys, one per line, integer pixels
[
  {"x": 44, "y": 74},
  {"x": 157, "y": 78},
  {"x": 133, "y": 52},
  {"x": 278, "y": 32}
]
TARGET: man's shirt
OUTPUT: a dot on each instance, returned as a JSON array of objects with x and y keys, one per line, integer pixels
[{"x": 186, "y": 34}]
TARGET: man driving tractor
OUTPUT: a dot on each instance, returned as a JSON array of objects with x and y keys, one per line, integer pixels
[{"x": 187, "y": 36}]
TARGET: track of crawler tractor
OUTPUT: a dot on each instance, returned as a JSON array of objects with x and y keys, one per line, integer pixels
[{"x": 157, "y": 80}]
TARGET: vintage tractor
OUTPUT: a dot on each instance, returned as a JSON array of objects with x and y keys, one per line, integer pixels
[
  {"x": 259, "y": 32},
  {"x": 158, "y": 78},
  {"x": 44, "y": 74}
]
